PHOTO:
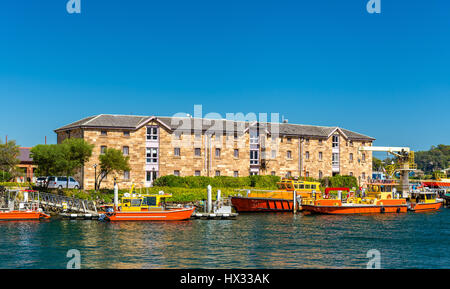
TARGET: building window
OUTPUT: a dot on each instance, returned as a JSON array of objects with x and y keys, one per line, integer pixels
[
  {"x": 272, "y": 173},
  {"x": 104, "y": 133},
  {"x": 236, "y": 174},
  {"x": 288, "y": 139},
  {"x": 126, "y": 175},
  {"x": 217, "y": 173},
  {"x": 363, "y": 176},
  {"x": 176, "y": 173},
  {"x": 198, "y": 136},
  {"x": 274, "y": 154},
  {"x": 363, "y": 144},
  {"x": 152, "y": 133},
  {"x": 217, "y": 153},
  {"x": 254, "y": 159},
  {"x": 351, "y": 143},
  {"x": 320, "y": 142},
  {"x": 320, "y": 156},
  {"x": 289, "y": 154},
  {"x": 335, "y": 159},
  {"x": 236, "y": 153},
  {"x": 126, "y": 133},
  {"x": 351, "y": 157},
  {"x": 320, "y": 174},
  {"x": 152, "y": 155},
  {"x": 197, "y": 152},
  {"x": 307, "y": 174},
  {"x": 102, "y": 149},
  {"x": 307, "y": 141},
  {"x": 197, "y": 173},
  {"x": 176, "y": 152},
  {"x": 351, "y": 174},
  {"x": 288, "y": 174},
  {"x": 307, "y": 155},
  {"x": 235, "y": 136},
  {"x": 126, "y": 150},
  {"x": 335, "y": 141},
  {"x": 364, "y": 157}
]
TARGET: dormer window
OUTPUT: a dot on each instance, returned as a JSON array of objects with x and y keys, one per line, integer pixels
[{"x": 152, "y": 133}]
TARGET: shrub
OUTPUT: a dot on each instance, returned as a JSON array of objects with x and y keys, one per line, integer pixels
[
  {"x": 339, "y": 181},
  {"x": 268, "y": 182}
]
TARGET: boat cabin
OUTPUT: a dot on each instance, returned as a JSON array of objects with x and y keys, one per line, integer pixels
[
  {"x": 423, "y": 197},
  {"x": 147, "y": 202}
]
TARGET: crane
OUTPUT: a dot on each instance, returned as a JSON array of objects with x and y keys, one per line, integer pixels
[{"x": 405, "y": 158}]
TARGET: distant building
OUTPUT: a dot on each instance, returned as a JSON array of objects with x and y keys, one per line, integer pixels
[
  {"x": 26, "y": 166},
  {"x": 187, "y": 146}
]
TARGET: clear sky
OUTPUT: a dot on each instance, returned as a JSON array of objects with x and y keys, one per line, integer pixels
[{"x": 325, "y": 62}]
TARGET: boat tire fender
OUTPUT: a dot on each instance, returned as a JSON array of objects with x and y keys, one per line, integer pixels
[{"x": 382, "y": 210}]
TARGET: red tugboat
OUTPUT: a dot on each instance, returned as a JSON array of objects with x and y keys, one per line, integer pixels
[{"x": 280, "y": 200}]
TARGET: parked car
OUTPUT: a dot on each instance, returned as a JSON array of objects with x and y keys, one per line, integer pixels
[
  {"x": 61, "y": 182},
  {"x": 41, "y": 181}
]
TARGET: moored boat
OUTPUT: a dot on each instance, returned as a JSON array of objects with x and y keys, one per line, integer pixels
[
  {"x": 147, "y": 207},
  {"x": 424, "y": 201},
  {"x": 378, "y": 199},
  {"x": 26, "y": 209},
  {"x": 280, "y": 200}
]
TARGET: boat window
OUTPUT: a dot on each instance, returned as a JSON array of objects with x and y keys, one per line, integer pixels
[
  {"x": 136, "y": 202},
  {"x": 307, "y": 186},
  {"x": 296, "y": 186},
  {"x": 302, "y": 186},
  {"x": 150, "y": 201},
  {"x": 313, "y": 186}
]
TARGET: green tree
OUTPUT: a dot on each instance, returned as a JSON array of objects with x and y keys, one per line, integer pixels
[
  {"x": 76, "y": 152},
  {"x": 437, "y": 158},
  {"x": 61, "y": 159},
  {"x": 8, "y": 157},
  {"x": 377, "y": 164},
  {"x": 48, "y": 159},
  {"x": 111, "y": 161}
]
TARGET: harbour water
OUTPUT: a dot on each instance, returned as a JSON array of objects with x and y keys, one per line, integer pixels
[{"x": 411, "y": 240}]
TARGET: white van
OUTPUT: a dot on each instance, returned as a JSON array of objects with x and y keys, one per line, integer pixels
[{"x": 61, "y": 183}]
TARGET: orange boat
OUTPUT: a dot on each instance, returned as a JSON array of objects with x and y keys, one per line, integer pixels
[
  {"x": 424, "y": 201},
  {"x": 22, "y": 215},
  {"x": 378, "y": 199},
  {"x": 280, "y": 200},
  {"x": 27, "y": 209},
  {"x": 147, "y": 207}
]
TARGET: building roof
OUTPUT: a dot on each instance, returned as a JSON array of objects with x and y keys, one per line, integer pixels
[
  {"x": 24, "y": 155},
  {"x": 134, "y": 122}
]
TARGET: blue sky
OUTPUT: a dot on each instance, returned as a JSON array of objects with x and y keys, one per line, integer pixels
[{"x": 323, "y": 62}]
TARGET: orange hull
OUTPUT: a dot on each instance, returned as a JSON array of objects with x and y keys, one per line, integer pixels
[
  {"x": 357, "y": 209},
  {"x": 22, "y": 215},
  {"x": 168, "y": 215},
  {"x": 426, "y": 207}
]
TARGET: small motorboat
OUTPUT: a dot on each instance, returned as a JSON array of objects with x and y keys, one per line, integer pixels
[
  {"x": 424, "y": 201},
  {"x": 146, "y": 207}
]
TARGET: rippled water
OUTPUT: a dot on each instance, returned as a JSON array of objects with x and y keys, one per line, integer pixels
[{"x": 420, "y": 240}]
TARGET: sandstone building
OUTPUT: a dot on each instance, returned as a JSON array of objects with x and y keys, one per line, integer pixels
[{"x": 188, "y": 146}]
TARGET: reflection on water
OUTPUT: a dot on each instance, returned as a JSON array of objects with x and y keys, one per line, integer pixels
[{"x": 252, "y": 241}]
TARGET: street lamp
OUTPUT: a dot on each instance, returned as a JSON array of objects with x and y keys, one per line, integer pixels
[{"x": 95, "y": 176}]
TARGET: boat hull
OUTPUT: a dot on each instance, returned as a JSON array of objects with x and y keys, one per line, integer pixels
[
  {"x": 22, "y": 215},
  {"x": 426, "y": 207},
  {"x": 165, "y": 215},
  {"x": 244, "y": 204},
  {"x": 341, "y": 210}
]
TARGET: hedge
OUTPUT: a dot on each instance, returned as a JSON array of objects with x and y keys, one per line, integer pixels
[{"x": 265, "y": 182}]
